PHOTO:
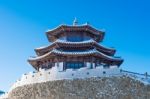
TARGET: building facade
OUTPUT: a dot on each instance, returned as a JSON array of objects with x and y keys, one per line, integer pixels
[{"x": 74, "y": 47}]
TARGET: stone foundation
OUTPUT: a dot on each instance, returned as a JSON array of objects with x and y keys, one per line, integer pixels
[{"x": 91, "y": 88}]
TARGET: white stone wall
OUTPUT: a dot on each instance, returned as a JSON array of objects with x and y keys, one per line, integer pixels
[
  {"x": 56, "y": 74},
  {"x": 88, "y": 64}
]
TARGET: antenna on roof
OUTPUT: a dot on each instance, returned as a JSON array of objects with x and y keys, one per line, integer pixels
[{"x": 75, "y": 22}]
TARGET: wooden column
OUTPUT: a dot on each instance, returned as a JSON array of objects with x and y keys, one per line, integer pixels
[{"x": 91, "y": 62}]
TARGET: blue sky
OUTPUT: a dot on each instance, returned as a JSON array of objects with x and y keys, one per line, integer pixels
[{"x": 23, "y": 24}]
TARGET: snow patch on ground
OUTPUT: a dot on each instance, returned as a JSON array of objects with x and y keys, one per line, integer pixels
[{"x": 145, "y": 79}]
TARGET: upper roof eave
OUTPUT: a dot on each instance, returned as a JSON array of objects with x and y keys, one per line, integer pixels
[{"x": 62, "y": 27}]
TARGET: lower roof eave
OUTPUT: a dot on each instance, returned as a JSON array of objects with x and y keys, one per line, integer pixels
[{"x": 87, "y": 53}]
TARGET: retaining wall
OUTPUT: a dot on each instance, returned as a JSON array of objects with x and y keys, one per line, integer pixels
[{"x": 54, "y": 74}]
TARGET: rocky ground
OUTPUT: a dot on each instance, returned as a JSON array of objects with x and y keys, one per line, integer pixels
[{"x": 92, "y": 88}]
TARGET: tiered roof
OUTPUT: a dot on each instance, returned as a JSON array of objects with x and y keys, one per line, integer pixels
[
  {"x": 53, "y": 34},
  {"x": 94, "y": 48}
]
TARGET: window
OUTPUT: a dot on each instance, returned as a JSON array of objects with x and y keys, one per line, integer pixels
[
  {"x": 104, "y": 72},
  {"x": 75, "y": 37},
  {"x": 106, "y": 66},
  {"x": 74, "y": 65}
]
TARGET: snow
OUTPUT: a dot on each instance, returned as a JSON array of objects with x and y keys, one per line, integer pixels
[
  {"x": 68, "y": 42},
  {"x": 139, "y": 77},
  {"x": 60, "y": 26},
  {"x": 92, "y": 51},
  {"x": 4, "y": 96}
]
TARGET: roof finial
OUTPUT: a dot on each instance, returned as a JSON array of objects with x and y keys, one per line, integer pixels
[
  {"x": 87, "y": 23},
  {"x": 75, "y": 22}
]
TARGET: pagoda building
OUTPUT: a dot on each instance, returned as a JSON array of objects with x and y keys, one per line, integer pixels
[{"x": 74, "y": 47}]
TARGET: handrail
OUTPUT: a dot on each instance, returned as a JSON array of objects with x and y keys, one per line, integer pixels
[{"x": 145, "y": 74}]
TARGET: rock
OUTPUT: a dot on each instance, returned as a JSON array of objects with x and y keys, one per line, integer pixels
[{"x": 92, "y": 88}]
